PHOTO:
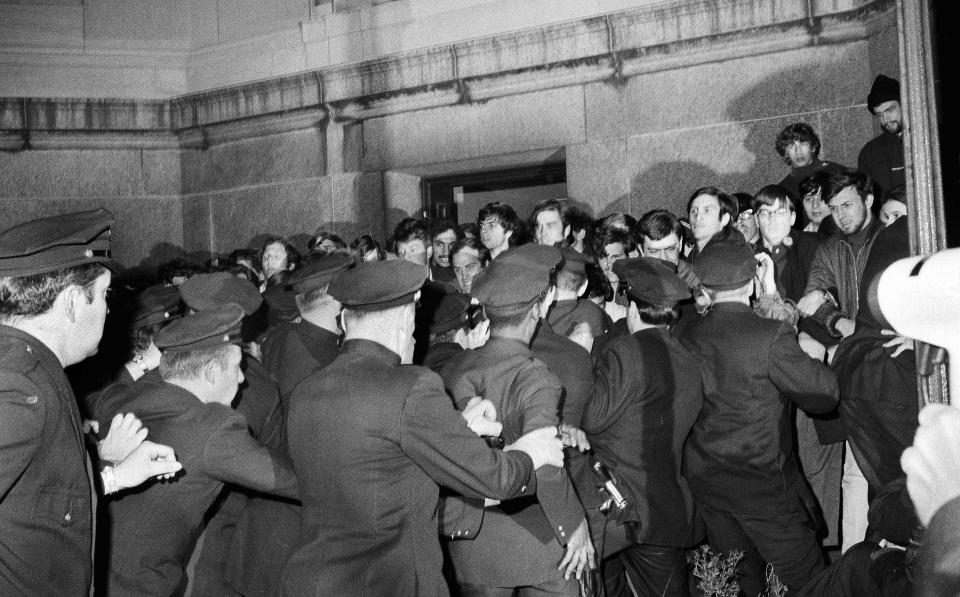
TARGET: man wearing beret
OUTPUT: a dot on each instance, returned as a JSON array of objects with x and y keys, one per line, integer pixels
[
  {"x": 153, "y": 530},
  {"x": 53, "y": 286},
  {"x": 882, "y": 157},
  {"x": 521, "y": 544},
  {"x": 268, "y": 529},
  {"x": 371, "y": 439},
  {"x": 647, "y": 393},
  {"x": 739, "y": 459}
]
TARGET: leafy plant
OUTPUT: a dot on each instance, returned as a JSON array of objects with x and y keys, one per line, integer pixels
[{"x": 717, "y": 574}]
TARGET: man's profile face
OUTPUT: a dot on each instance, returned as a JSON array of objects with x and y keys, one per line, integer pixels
[
  {"x": 227, "y": 380},
  {"x": 442, "y": 243},
  {"x": 274, "y": 259},
  {"x": 92, "y": 315},
  {"x": 466, "y": 265},
  {"x": 706, "y": 217},
  {"x": 850, "y": 212},
  {"x": 890, "y": 116},
  {"x": 549, "y": 230},
  {"x": 800, "y": 154},
  {"x": 414, "y": 250},
  {"x": 667, "y": 248}
]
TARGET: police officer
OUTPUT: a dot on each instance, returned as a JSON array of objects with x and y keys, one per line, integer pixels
[
  {"x": 371, "y": 438},
  {"x": 153, "y": 530},
  {"x": 53, "y": 286},
  {"x": 740, "y": 461},
  {"x": 647, "y": 394},
  {"x": 519, "y": 545},
  {"x": 268, "y": 529}
]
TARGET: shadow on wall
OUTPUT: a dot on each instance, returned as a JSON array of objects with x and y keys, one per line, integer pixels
[{"x": 671, "y": 185}]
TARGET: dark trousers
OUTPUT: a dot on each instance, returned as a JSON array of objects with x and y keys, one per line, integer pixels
[
  {"x": 784, "y": 539},
  {"x": 653, "y": 570},
  {"x": 566, "y": 588}
]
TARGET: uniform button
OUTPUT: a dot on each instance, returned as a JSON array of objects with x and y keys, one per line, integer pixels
[
  {"x": 560, "y": 527},
  {"x": 524, "y": 488},
  {"x": 32, "y": 399},
  {"x": 29, "y": 350},
  {"x": 563, "y": 534},
  {"x": 67, "y": 517}
]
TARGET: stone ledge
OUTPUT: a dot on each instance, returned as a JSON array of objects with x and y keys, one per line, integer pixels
[{"x": 615, "y": 45}]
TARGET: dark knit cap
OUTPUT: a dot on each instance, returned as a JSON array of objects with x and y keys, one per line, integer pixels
[
  {"x": 56, "y": 242},
  {"x": 378, "y": 285},
  {"x": 206, "y": 291},
  {"x": 725, "y": 265},
  {"x": 205, "y": 330},
  {"x": 884, "y": 89},
  {"x": 651, "y": 280}
]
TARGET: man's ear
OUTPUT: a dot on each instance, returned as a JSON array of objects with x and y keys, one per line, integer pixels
[
  {"x": 793, "y": 218},
  {"x": 869, "y": 200},
  {"x": 724, "y": 220},
  {"x": 583, "y": 288},
  {"x": 210, "y": 371},
  {"x": 566, "y": 231},
  {"x": 72, "y": 296}
]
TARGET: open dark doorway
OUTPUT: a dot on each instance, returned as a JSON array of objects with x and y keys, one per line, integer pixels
[{"x": 459, "y": 197}]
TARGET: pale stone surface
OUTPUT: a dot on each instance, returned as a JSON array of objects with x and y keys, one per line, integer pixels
[
  {"x": 107, "y": 22},
  {"x": 161, "y": 172},
  {"x": 800, "y": 81},
  {"x": 71, "y": 173},
  {"x": 273, "y": 158},
  {"x": 242, "y": 19},
  {"x": 356, "y": 204},
  {"x": 531, "y": 121},
  {"x": 597, "y": 175},
  {"x": 401, "y": 197},
  {"x": 32, "y": 26}
]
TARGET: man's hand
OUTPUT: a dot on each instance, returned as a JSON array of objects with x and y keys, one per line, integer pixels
[
  {"x": 766, "y": 275},
  {"x": 809, "y": 304},
  {"x": 477, "y": 336},
  {"x": 580, "y": 553},
  {"x": 146, "y": 461},
  {"x": 574, "y": 438},
  {"x": 899, "y": 343},
  {"x": 481, "y": 417},
  {"x": 126, "y": 433},
  {"x": 932, "y": 463},
  {"x": 542, "y": 445},
  {"x": 582, "y": 335},
  {"x": 845, "y": 326}
]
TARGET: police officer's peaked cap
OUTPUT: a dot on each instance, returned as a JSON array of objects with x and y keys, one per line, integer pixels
[
  {"x": 651, "y": 280},
  {"x": 156, "y": 304},
  {"x": 574, "y": 261},
  {"x": 207, "y": 291},
  {"x": 884, "y": 89},
  {"x": 205, "y": 330},
  {"x": 378, "y": 285},
  {"x": 725, "y": 265},
  {"x": 516, "y": 278},
  {"x": 452, "y": 312},
  {"x": 56, "y": 242},
  {"x": 318, "y": 272}
]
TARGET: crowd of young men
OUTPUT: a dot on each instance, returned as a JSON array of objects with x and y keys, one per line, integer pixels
[{"x": 471, "y": 413}]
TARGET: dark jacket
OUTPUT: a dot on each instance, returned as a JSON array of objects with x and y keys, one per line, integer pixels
[
  {"x": 740, "y": 456},
  {"x": 154, "y": 527},
  {"x": 371, "y": 440},
  {"x": 46, "y": 499},
  {"x": 520, "y": 542},
  {"x": 882, "y": 160},
  {"x": 268, "y": 529},
  {"x": 571, "y": 364},
  {"x": 647, "y": 394}
]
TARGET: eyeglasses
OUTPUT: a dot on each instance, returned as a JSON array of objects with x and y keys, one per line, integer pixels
[{"x": 766, "y": 214}]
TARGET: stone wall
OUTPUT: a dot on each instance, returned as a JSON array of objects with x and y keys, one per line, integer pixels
[{"x": 644, "y": 105}]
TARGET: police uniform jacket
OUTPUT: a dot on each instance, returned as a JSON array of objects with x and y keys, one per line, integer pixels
[
  {"x": 371, "y": 439},
  {"x": 268, "y": 529},
  {"x": 571, "y": 364},
  {"x": 740, "y": 456},
  {"x": 522, "y": 541},
  {"x": 647, "y": 394},
  {"x": 46, "y": 503},
  {"x": 154, "y": 527}
]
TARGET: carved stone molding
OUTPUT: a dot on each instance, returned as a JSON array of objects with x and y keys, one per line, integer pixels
[{"x": 612, "y": 46}]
